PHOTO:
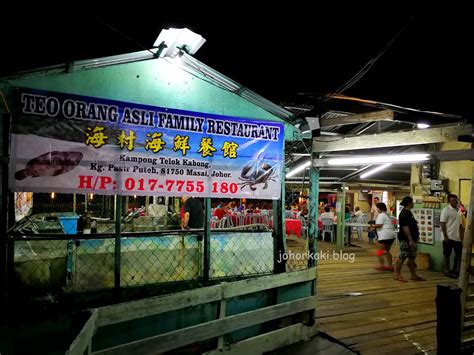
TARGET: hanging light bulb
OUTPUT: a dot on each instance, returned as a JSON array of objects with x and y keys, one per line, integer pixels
[
  {"x": 53, "y": 195},
  {"x": 91, "y": 196}
]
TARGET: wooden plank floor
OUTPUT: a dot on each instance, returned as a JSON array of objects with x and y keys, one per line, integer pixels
[{"x": 371, "y": 312}]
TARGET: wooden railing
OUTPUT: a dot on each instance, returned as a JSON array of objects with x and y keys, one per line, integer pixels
[
  {"x": 217, "y": 328},
  {"x": 83, "y": 341}
]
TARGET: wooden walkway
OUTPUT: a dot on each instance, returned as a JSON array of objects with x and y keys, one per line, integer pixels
[{"x": 372, "y": 313}]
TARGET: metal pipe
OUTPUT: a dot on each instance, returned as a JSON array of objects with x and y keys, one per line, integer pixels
[
  {"x": 207, "y": 240},
  {"x": 118, "y": 243}
]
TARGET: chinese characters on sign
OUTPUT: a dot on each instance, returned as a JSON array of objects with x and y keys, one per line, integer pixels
[
  {"x": 124, "y": 140},
  {"x": 111, "y": 147},
  {"x": 96, "y": 137},
  {"x": 154, "y": 143},
  {"x": 230, "y": 149},
  {"x": 181, "y": 143}
]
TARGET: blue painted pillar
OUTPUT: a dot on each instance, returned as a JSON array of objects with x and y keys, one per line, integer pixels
[
  {"x": 118, "y": 243},
  {"x": 341, "y": 201},
  {"x": 282, "y": 211},
  {"x": 279, "y": 231},
  {"x": 207, "y": 240},
  {"x": 313, "y": 209}
]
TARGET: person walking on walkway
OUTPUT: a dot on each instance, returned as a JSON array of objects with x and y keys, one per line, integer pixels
[
  {"x": 453, "y": 235},
  {"x": 408, "y": 236},
  {"x": 372, "y": 233},
  {"x": 386, "y": 234}
]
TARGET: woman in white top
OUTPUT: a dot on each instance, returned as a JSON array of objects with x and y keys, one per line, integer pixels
[{"x": 386, "y": 235}]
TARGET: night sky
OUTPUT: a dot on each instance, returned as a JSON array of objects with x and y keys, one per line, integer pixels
[{"x": 277, "y": 51}]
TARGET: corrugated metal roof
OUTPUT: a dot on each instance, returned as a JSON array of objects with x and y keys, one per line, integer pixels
[
  {"x": 396, "y": 174},
  {"x": 189, "y": 62},
  {"x": 231, "y": 85}
]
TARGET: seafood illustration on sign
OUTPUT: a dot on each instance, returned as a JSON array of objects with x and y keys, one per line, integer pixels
[
  {"x": 257, "y": 171},
  {"x": 50, "y": 164}
]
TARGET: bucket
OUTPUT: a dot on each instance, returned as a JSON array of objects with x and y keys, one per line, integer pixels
[
  {"x": 423, "y": 261},
  {"x": 69, "y": 223}
]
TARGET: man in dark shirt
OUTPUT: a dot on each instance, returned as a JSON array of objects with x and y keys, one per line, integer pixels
[
  {"x": 193, "y": 213},
  {"x": 408, "y": 235}
]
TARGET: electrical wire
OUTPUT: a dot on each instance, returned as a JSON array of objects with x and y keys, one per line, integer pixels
[
  {"x": 206, "y": 78},
  {"x": 351, "y": 82},
  {"x": 4, "y": 101},
  {"x": 120, "y": 33},
  {"x": 329, "y": 140}
]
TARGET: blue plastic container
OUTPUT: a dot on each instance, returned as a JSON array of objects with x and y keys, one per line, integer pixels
[{"x": 69, "y": 223}]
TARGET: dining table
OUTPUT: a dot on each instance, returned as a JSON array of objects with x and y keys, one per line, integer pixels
[
  {"x": 294, "y": 226},
  {"x": 350, "y": 225}
]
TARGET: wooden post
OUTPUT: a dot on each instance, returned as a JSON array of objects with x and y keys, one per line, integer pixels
[
  {"x": 465, "y": 270},
  {"x": 222, "y": 308},
  {"x": 449, "y": 326}
]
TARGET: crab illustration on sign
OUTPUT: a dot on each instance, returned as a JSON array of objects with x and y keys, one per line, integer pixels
[{"x": 257, "y": 172}]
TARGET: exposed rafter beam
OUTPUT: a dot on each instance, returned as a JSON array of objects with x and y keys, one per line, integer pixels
[
  {"x": 393, "y": 139},
  {"x": 368, "y": 185},
  {"x": 384, "y": 115},
  {"x": 454, "y": 155},
  {"x": 447, "y": 155}
]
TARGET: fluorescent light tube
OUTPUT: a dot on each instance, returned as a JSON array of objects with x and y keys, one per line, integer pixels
[
  {"x": 373, "y": 171},
  {"x": 380, "y": 159},
  {"x": 298, "y": 169}
]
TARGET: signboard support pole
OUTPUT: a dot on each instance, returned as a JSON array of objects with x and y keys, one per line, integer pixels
[
  {"x": 341, "y": 202},
  {"x": 278, "y": 233},
  {"x": 282, "y": 214},
  {"x": 207, "y": 239},
  {"x": 7, "y": 213},
  {"x": 118, "y": 241},
  {"x": 313, "y": 210}
]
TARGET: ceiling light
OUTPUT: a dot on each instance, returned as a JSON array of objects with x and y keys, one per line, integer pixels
[
  {"x": 298, "y": 169},
  {"x": 373, "y": 171},
  {"x": 178, "y": 39},
  {"x": 380, "y": 159}
]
